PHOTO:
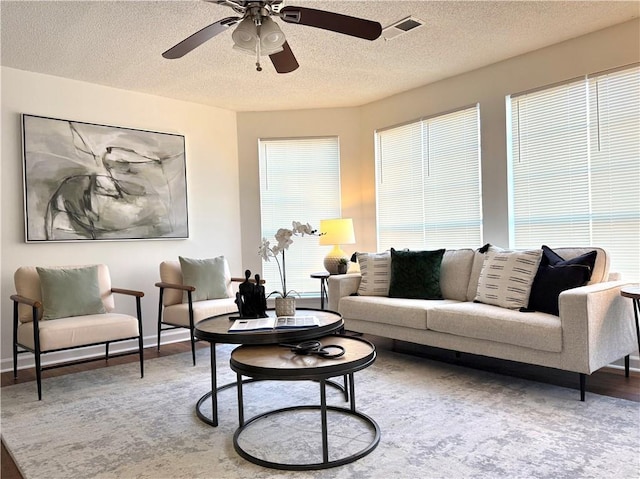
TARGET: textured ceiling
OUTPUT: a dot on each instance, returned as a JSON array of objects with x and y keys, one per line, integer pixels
[{"x": 119, "y": 44}]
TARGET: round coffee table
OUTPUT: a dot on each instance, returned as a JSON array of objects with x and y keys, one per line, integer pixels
[
  {"x": 281, "y": 363},
  {"x": 216, "y": 330}
]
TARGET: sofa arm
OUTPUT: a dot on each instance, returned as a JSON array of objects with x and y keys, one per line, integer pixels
[
  {"x": 597, "y": 324},
  {"x": 340, "y": 285}
]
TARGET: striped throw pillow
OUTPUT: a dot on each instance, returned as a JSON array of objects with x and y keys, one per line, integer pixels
[
  {"x": 506, "y": 278},
  {"x": 375, "y": 269}
]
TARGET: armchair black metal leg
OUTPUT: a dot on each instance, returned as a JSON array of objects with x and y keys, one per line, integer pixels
[
  {"x": 626, "y": 366},
  {"x": 140, "y": 337},
  {"x": 15, "y": 360},
  {"x": 160, "y": 316},
  {"x": 583, "y": 385},
  {"x": 191, "y": 328},
  {"x": 39, "y": 375},
  {"x": 36, "y": 344},
  {"x": 106, "y": 352},
  {"x": 15, "y": 340}
]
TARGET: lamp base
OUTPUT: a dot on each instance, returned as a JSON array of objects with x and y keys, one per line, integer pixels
[{"x": 332, "y": 261}]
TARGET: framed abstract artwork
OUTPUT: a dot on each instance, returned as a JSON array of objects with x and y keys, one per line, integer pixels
[{"x": 89, "y": 182}]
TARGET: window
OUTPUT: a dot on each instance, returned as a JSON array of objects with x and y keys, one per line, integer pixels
[
  {"x": 299, "y": 181},
  {"x": 428, "y": 182},
  {"x": 575, "y": 167}
]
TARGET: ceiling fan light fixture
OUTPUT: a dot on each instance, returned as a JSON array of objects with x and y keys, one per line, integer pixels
[
  {"x": 271, "y": 37},
  {"x": 245, "y": 35}
]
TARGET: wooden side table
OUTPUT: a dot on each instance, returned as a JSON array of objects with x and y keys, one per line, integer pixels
[{"x": 633, "y": 292}]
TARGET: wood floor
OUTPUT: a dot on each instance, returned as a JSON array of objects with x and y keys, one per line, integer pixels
[{"x": 607, "y": 382}]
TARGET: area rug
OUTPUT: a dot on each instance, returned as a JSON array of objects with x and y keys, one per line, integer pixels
[{"x": 437, "y": 420}]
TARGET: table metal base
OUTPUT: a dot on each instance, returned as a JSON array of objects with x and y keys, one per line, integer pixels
[
  {"x": 326, "y": 463},
  {"x": 212, "y": 420}
]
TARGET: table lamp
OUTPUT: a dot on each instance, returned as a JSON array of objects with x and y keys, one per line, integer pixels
[{"x": 336, "y": 232}]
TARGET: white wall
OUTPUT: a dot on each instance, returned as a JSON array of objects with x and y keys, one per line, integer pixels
[{"x": 212, "y": 183}]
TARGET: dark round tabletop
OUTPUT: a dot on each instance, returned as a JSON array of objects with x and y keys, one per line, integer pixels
[
  {"x": 279, "y": 362},
  {"x": 631, "y": 291},
  {"x": 216, "y": 329}
]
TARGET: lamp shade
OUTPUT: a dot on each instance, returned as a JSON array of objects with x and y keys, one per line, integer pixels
[
  {"x": 245, "y": 35},
  {"x": 271, "y": 37},
  {"x": 336, "y": 232}
]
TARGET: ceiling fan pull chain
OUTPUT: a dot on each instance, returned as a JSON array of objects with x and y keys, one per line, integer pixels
[{"x": 258, "y": 67}]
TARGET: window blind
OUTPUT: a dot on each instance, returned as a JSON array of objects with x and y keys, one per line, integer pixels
[
  {"x": 299, "y": 181},
  {"x": 428, "y": 183},
  {"x": 575, "y": 167}
]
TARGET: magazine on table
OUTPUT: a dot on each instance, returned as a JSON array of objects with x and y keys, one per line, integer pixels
[{"x": 281, "y": 322}]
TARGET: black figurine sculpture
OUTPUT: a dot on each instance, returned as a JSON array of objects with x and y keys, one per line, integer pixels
[
  {"x": 250, "y": 298},
  {"x": 261, "y": 298}
]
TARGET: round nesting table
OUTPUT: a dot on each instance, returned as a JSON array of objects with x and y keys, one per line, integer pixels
[
  {"x": 281, "y": 363},
  {"x": 216, "y": 330}
]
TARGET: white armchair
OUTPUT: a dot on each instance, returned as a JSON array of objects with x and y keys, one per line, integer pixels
[
  {"x": 184, "y": 303},
  {"x": 61, "y": 308}
]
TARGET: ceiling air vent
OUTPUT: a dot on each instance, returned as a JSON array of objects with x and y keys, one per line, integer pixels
[{"x": 401, "y": 27}]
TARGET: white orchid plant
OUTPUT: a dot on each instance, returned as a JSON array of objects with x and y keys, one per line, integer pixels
[{"x": 284, "y": 238}]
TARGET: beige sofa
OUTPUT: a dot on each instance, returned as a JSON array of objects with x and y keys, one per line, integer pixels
[{"x": 594, "y": 327}]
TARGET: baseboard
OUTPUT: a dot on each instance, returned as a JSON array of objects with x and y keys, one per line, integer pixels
[{"x": 27, "y": 360}]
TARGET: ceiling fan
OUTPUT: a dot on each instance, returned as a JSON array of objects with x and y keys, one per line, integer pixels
[{"x": 258, "y": 34}]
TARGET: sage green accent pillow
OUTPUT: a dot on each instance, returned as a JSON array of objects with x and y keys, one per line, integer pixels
[
  {"x": 70, "y": 292},
  {"x": 415, "y": 274},
  {"x": 206, "y": 275}
]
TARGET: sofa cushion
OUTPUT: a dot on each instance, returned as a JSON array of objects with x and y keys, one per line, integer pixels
[
  {"x": 415, "y": 274},
  {"x": 550, "y": 257},
  {"x": 178, "y": 314},
  {"x": 506, "y": 278},
  {"x": 455, "y": 272},
  {"x": 70, "y": 292},
  {"x": 476, "y": 269},
  {"x": 550, "y": 281},
  {"x": 483, "y": 321},
  {"x": 375, "y": 269},
  {"x": 79, "y": 330},
  {"x": 600, "y": 272},
  {"x": 409, "y": 313}
]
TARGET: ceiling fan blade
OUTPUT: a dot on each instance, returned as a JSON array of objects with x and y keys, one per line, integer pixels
[
  {"x": 198, "y": 38},
  {"x": 284, "y": 61},
  {"x": 335, "y": 22}
]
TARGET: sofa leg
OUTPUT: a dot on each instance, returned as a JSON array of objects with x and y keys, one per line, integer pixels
[
  {"x": 583, "y": 385},
  {"x": 458, "y": 354},
  {"x": 626, "y": 366}
]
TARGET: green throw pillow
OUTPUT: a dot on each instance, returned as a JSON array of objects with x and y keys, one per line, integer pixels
[
  {"x": 206, "y": 275},
  {"x": 415, "y": 274},
  {"x": 70, "y": 292}
]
